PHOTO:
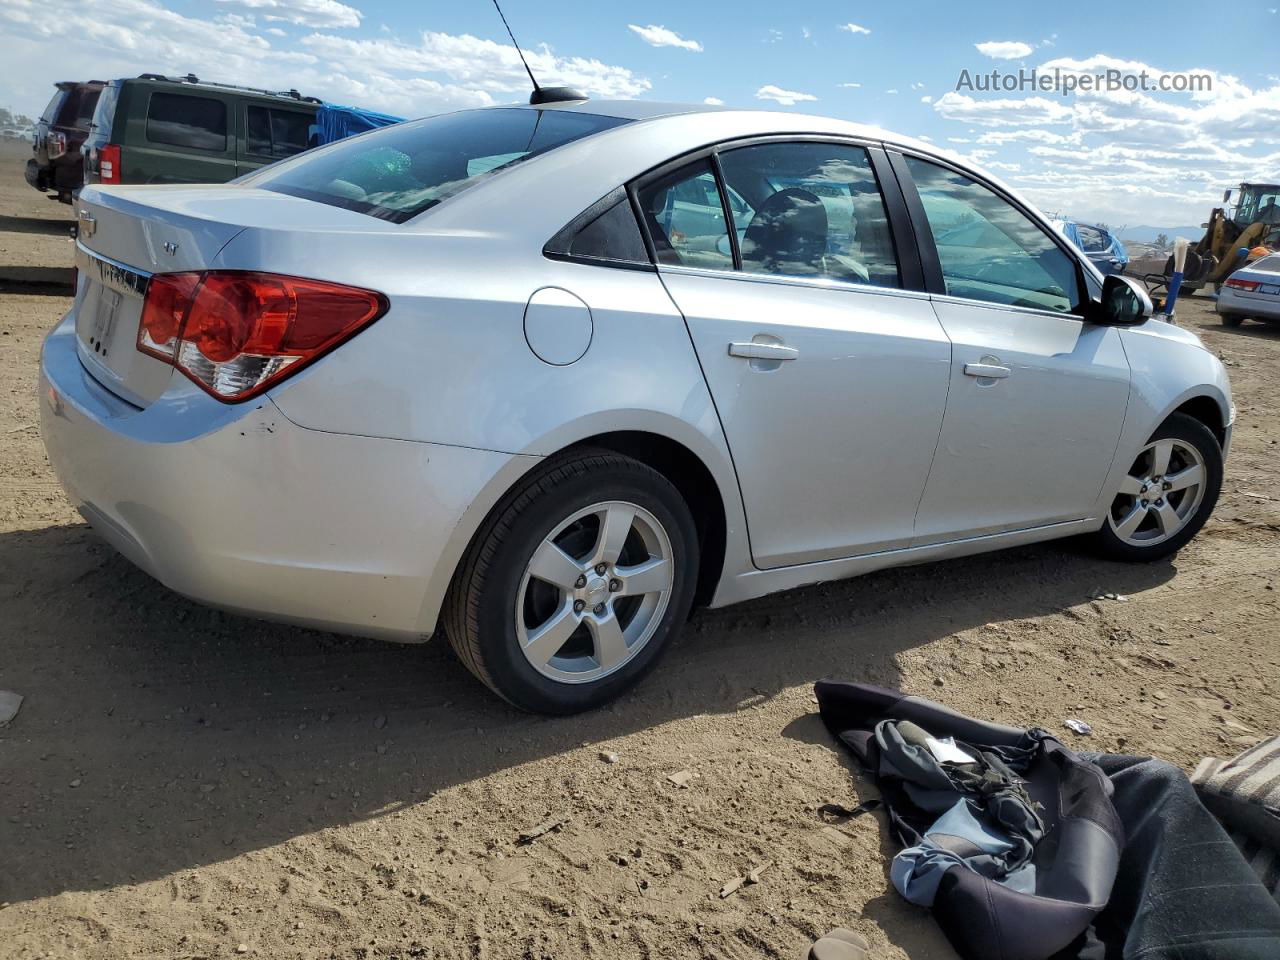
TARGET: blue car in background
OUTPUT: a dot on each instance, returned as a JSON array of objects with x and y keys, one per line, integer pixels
[{"x": 1101, "y": 246}]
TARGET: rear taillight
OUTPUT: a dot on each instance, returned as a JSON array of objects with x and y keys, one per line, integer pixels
[
  {"x": 236, "y": 333},
  {"x": 56, "y": 145},
  {"x": 109, "y": 163},
  {"x": 1247, "y": 285}
]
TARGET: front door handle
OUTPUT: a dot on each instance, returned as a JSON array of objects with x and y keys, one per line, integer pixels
[
  {"x": 987, "y": 371},
  {"x": 763, "y": 351}
]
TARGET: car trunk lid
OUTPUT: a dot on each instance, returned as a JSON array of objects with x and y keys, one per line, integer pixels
[{"x": 127, "y": 234}]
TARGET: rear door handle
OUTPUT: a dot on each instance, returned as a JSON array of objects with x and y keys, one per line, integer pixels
[
  {"x": 987, "y": 371},
  {"x": 763, "y": 351}
]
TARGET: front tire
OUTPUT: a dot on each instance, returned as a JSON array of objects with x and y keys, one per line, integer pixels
[
  {"x": 1166, "y": 495},
  {"x": 574, "y": 586}
]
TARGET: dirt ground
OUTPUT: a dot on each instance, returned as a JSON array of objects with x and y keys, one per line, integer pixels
[{"x": 182, "y": 783}]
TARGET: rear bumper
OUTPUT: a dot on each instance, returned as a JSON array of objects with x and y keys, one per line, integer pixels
[
  {"x": 1239, "y": 304},
  {"x": 240, "y": 508}
]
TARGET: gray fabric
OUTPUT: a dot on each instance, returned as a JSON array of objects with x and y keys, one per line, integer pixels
[
  {"x": 987, "y": 822},
  {"x": 1244, "y": 792},
  {"x": 961, "y": 837}
]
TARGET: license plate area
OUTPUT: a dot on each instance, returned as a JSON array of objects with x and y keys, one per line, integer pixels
[{"x": 1271, "y": 288}]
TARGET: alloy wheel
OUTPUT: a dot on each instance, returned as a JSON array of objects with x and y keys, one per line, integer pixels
[
  {"x": 594, "y": 592},
  {"x": 1160, "y": 493}
]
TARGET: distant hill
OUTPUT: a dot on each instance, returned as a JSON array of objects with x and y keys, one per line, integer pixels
[{"x": 1148, "y": 234}]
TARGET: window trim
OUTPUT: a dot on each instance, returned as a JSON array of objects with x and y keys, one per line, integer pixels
[
  {"x": 932, "y": 265},
  {"x": 901, "y": 228}
]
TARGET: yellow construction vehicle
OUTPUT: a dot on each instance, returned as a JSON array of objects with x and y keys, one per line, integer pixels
[{"x": 1253, "y": 221}]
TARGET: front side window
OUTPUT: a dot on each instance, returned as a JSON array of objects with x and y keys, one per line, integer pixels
[
  {"x": 400, "y": 171},
  {"x": 197, "y": 123},
  {"x": 810, "y": 210},
  {"x": 988, "y": 249},
  {"x": 686, "y": 218}
]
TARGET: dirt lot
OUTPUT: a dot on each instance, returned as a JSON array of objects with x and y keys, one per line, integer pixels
[{"x": 184, "y": 783}]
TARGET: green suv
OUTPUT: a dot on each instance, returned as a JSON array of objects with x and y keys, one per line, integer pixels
[{"x": 157, "y": 129}]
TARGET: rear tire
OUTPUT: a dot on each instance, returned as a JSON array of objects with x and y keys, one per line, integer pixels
[
  {"x": 1167, "y": 494},
  {"x": 1232, "y": 319},
  {"x": 575, "y": 584}
]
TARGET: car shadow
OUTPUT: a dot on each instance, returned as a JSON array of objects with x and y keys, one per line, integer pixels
[
  {"x": 57, "y": 227},
  {"x": 159, "y": 735},
  {"x": 47, "y": 281}
]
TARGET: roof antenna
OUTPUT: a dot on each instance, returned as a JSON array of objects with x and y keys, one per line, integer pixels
[{"x": 540, "y": 94}]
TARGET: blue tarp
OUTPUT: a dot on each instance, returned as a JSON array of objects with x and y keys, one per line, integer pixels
[{"x": 334, "y": 122}]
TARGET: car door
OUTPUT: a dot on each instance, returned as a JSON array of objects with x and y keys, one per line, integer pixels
[
  {"x": 829, "y": 372},
  {"x": 1038, "y": 396}
]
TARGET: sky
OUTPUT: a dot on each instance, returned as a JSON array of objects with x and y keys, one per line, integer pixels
[{"x": 1123, "y": 157}]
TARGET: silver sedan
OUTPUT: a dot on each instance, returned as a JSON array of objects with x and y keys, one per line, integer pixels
[
  {"x": 541, "y": 378},
  {"x": 1252, "y": 292}
]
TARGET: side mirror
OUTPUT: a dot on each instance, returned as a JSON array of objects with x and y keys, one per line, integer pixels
[
  {"x": 1226, "y": 196},
  {"x": 1125, "y": 302}
]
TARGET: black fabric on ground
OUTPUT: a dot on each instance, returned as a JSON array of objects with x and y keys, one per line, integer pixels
[{"x": 1183, "y": 891}]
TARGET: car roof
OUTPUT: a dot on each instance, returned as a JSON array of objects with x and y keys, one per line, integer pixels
[{"x": 766, "y": 121}]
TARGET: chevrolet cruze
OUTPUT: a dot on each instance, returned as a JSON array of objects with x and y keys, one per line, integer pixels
[{"x": 540, "y": 378}]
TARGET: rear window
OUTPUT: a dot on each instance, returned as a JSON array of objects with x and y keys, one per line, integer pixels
[
  {"x": 104, "y": 113},
  {"x": 197, "y": 123},
  {"x": 398, "y": 172},
  {"x": 86, "y": 101},
  {"x": 1267, "y": 264},
  {"x": 51, "y": 111}
]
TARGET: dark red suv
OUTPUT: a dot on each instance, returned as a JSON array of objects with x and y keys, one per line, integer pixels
[{"x": 56, "y": 165}]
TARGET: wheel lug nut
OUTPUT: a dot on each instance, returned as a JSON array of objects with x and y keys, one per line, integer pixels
[
  {"x": 580, "y": 582},
  {"x": 578, "y": 606},
  {"x": 599, "y": 609},
  {"x": 1167, "y": 485},
  {"x": 1145, "y": 503},
  {"x": 601, "y": 567},
  {"x": 615, "y": 586},
  {"x": 1160, "y": 502}
]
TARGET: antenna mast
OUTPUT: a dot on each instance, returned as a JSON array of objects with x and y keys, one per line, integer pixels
[{"x": 532, "y": 79}]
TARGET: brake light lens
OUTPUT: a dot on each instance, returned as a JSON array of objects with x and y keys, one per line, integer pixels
[
  {"x": 109, "y": 163},
  {"x": 1246, "y": 285},
  {"x": 56, "y": 145},
  {"x": 236, "y": 333}
]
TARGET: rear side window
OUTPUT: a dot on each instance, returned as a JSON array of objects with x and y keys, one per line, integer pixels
[
  {"x": 989, "y": 249},
  {"x": 272, "y": 132},
  {"x": 686, "y": 218},
  {"x": 400, "y": 171},
  {"x": 197, "y": 123},
  {"x": 810, "y": 210}
]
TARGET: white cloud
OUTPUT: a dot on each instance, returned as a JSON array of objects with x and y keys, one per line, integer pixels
[
  {"x": 433, "y": 72},
  {"x": 926, "y": 99},
  {"x": 854, "y": 28},
  {"x": 892, "y": 90},
  {"x": 713, "y": 101},
  {"x": 785, "y": 97},
  {"x": 1135, "y": 155},
  {"x": 658, "y": 36},
  {"x": 1004, "y": 49},
  {"x": 306, "y": 13},
  {"x": 851, "y": 86}
]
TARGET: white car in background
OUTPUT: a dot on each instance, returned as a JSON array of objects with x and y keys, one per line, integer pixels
[
  {"x": 1251, "y": 293},
  {"x": 541, "y": 378}
]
